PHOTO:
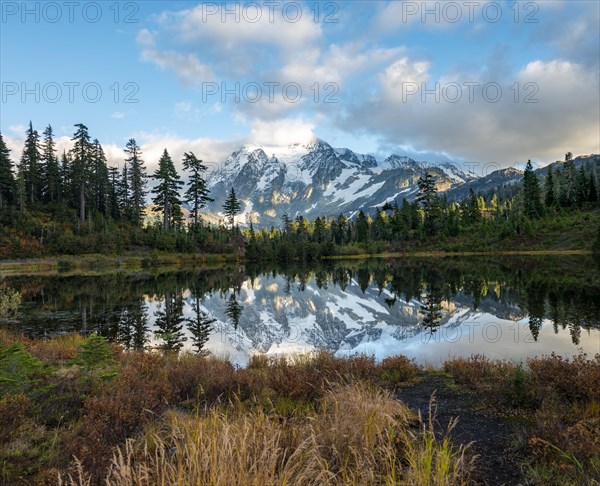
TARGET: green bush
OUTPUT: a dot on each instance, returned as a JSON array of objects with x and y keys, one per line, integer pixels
[
  {"x": 20, "y": 372},
  {"x": 10, "y": 300}
]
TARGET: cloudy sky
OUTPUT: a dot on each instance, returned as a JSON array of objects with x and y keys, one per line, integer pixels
[{"x": 464, "y": 81}]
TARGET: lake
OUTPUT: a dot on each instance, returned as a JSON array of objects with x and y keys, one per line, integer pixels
[{"x": 429, "y": 309}]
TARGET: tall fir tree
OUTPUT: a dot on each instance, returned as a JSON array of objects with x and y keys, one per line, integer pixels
[
  {"x": 30, "y": 166},
  {"x": 123, "y": 196},
  {"x": 362, "y": 227},
  {"x": 166, "y": 200},
  {"x": 231, "y": 208},
  {"x": 568, "y": 187},
  {"x": 593, "y": 188},
  {"x": 471, "y": 212},
  {"x": 532, "y": 202},
  {"x": 66, "y": 180},
  {"x": 137, "y": 182},
  {"x": 549, "y": 196},
  {"x": 81, "y": 154},
  {"x": 113, "y": 198},
  {"x": 197, "y": 193},
  {"x": 50, "y": 168},
  {"x": 430, "y": 202},
  {"x": 100, "y": 181},
  {"x": 583, "y": 187},
  {"x": 7, "y": 176}
]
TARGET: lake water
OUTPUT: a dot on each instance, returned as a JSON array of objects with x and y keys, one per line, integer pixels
[{"x": 428, "y": 309}]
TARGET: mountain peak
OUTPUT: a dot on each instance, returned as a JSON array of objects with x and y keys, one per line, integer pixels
[{"x": 311, "y": 178}]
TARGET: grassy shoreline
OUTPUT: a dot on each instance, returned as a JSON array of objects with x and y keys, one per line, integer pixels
[
  {"x": 95, "y": 261},
  {"x": 98, "y": 263},
  {"x": 441, "y": 253}
]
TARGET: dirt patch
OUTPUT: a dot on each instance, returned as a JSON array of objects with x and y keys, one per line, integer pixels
[{"x": 492, "y": 437}]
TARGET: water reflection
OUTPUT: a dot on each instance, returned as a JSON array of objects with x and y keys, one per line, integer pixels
[
  {"x": 200, "y": 325},
  {"x": 169, "y": 322},
  {"x": 429, "y": 309}
]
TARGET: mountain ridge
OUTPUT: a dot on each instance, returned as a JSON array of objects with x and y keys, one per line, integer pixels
[{"x": 315, "y": 179}]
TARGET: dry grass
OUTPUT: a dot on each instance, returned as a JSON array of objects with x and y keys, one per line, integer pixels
[{"x": 358, "y": 435}]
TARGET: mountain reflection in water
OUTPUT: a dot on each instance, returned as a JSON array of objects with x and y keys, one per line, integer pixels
[{"x": 429, "y": 309}]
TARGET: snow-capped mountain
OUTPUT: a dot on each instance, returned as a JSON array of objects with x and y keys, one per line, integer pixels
[{"x": 316, "y": 179}]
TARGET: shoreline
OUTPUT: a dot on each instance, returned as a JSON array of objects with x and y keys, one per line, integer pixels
[
  {"x": 92, "y": 261},
  {"x": 142, "y": 261}
]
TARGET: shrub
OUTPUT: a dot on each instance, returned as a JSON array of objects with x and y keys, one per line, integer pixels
[
  {"x": 397, "y": 369},
  {"x": 10, "y": 300},
  {"x": 20, "y": 372}
]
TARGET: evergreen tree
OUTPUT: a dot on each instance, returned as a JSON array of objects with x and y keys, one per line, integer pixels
[
  {"x": 532, "y": 202},
  {"x": 21, "y": 183},
  {"x": 81, "y": 154},
  {"x": 123, "y": 193},
  {"x": 430, "y": 202},
  {"x": 471, "y": 214},
  {"x": 549, "y": 197},
  {"x": 7, "y": 177},
  {"x": 50, "y": 168},
  {"x": 113, "y": 192},
  {"x": 593, "y": 188},
  {"x": 66, "y": 179},
  {"x": 582, "y": 187},
  {"x": 362, "y": 227},
  {"x": 341, "y": 230},
  {"x": 100, "y": 182},
  {"x": 31, "y": 166},
  {"x": 287, "y": 225},
  {"x": 166, "y": 200},
  {"x": 231, "y": 207},
  {"x": 201, "y": 325},
  {"x": 568, "y": 192},
  {"x": 319, "y": 230},
  {"x": 197, "y": 193},
  {"x": 137, "y": 178}
]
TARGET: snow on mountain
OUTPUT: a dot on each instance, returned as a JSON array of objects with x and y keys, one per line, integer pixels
[
  {"x": 282, "y": 317},
  {"x": 315, "y": 179}
]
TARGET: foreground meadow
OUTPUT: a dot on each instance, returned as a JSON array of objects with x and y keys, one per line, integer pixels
[{"x": 79, "y": 410}]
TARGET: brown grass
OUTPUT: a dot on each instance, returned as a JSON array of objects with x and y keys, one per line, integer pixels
[{"x": 358, "y": 435}]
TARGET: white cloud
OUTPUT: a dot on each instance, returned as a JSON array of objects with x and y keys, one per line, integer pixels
[
  {"x": 213, "y": 152},
  {"x": 17, "y": 129},
  {"x": 281, "y": 132},
  {"x": 118, "y": 115},
  {"x": 396, "y": 78},
  {"x": 188, "y": 69},
  {"x": 564, "y": 118}
]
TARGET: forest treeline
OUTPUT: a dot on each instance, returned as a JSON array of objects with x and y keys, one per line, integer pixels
[
  {"x": 75, "y": 203},
  {"x": 566, "y": 196}
]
